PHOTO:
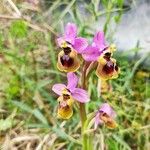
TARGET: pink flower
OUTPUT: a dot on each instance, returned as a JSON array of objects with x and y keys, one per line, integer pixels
[
  {"x": 100, "y": 52},
  {"x": 70, "y": 39},
  {"x": 92, "y": 52},
  {"x": 67, "y": 94},
  {"x": 71, "y": 46},
  {"x": 105, "y": 115},
  {"x": 77, "y": 93}
]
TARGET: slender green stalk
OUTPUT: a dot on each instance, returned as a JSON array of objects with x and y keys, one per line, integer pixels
[
  {"x": 83, "y": 115},
  {"x": 86, "y": 139}
]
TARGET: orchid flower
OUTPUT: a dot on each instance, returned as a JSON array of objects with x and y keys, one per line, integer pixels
[
  {"x": 107, "y": 67},
  {"x": 100, "y": 52},
  {"x": 68, "y": 94},
  {"x": 105, "y": 115},
  {"x": 71, "y": 45}
]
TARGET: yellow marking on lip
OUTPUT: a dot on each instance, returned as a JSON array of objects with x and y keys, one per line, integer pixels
[
  {"x": 64, "y": 44},
  {"x": 112, "y": 48},
  {"x": 65, "y": 91},
  {"x": 102, "y": 60}
]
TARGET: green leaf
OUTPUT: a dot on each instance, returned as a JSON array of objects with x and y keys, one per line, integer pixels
[
  {"x": 7, "y": 123},
  {"x": 18, "y": 29},
  {"x": 112, "y": 145},
  {"x": 120, "y": 3},
  {"x": 22, "y": 106},
  {"x": 105, "y": 3},
  {"x": 43, "y": 83},
  {"x": 35, "y": 112},
  {"x": 37, "y": 126},
  {"x": 64, "y": 135},
  {"x": 40, "y": 116},
  {"x": 121, "y": 141}
]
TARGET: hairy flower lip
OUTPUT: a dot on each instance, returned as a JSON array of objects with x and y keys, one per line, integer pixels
[
  {"x": 65, "y": 110},
  {"x": 107, "y": 68},
  {"x": 68, "y": 63}
]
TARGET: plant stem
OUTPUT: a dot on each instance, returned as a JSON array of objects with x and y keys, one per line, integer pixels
[
  {"x": 83, "y": 119},
  {"x": 83, "y": 115}
]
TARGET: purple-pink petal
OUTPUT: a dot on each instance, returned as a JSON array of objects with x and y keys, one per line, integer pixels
[
  {"x": 99, "y": 39},
  {"x": 72, "y": 81},
  {"x": 91, "y": 53},
  {"x": 80, "y": 44},
  {"x": 97, "y": 120},
  {"x": 106, "y": 108},
  {"x": 71, "y": 29},
  {"x": 57, "y": 88},
  {"x": 59, "y": 41},
  {"x": 80, "y": 95},
  {"x": 70, "y": 33}
]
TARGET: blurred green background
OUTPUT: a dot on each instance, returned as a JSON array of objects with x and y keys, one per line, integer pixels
[{"x": 28, "y": 56}]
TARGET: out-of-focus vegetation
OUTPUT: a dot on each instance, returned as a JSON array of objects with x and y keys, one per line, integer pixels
[{"x": 28, "y": 56}]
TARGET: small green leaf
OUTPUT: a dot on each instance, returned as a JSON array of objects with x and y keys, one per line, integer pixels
[
  {"x": 7, "y": 123},
  {"x": 18, "y": 29},
  {"x": 43, "y": 83},
  {"x": 40, "y": 116},
  {"x": 22, "y": 106},
  {"x": 28, "y": 109},
  {"x": 121, "y": 141}
]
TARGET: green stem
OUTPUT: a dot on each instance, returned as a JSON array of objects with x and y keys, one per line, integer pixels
[
  {"x": 83, "y": 115},
  {"x": 83, "y": 120},
  {"x": 86, "y": 139}
]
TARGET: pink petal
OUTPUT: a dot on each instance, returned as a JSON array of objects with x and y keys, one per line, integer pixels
[
  {"x": 99, "y": 40},
  {"x": 80, "y": 95},
  {"x": 97, "y": 121},
  {"x": 70, "y": 32},
  {"x": 59, "y": 41},
  {"x": 80, "y": 44},
  {"x": 72, "y": 81},
  {"x": 57, "y": 88},
  {"x": 91, "y": 53},
  {"x": 108, "y": 110}
]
